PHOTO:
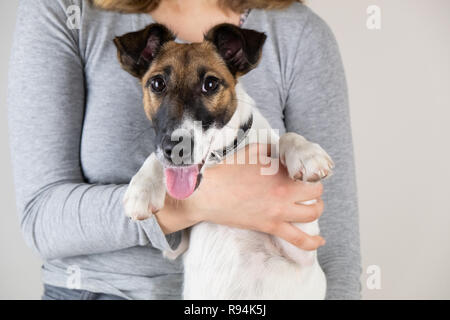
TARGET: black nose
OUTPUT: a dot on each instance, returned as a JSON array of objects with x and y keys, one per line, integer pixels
[{"x": 177, "y": 151}]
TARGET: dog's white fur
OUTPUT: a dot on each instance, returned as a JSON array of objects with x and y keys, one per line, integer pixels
[{"x": 227, "y": 263}]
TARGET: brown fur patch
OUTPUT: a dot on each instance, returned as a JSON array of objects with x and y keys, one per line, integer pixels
[{"x": 186, "y": 61}]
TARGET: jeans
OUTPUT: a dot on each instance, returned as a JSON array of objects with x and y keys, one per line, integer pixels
[{"x": 59, "y": 293}]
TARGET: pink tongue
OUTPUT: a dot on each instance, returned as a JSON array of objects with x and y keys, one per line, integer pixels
[{"x": 181, "y": 181}]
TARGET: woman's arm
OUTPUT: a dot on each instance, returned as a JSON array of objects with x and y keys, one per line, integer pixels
[
  {"x": 60, "y": 214},
  {"x": 317, "y": 108},
  {"x": 238, "y": 195}
]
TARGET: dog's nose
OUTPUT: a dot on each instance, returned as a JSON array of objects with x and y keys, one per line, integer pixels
[{"x": 178, "y": 152}]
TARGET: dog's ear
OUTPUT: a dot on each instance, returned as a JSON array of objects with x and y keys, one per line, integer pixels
[
  {"x": 136, "y": 50},
  {"x": 240, "y": 48}
]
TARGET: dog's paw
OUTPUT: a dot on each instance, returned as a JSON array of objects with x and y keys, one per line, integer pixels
[
  {"x": 304, "y": 160},
  {"x": 142, "y": 199}
]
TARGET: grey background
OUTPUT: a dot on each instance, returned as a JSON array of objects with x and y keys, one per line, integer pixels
[{"x": 399, "y": 80}]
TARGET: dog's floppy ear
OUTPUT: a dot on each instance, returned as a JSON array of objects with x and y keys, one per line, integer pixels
[
  {"x": 136, "y": 50},
  {"x": 240, "y": 48}
]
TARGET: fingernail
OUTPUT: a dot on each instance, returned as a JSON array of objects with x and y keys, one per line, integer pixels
[
  {"x": 323, "y": 242},
  {"x": 154, "y": 210}
]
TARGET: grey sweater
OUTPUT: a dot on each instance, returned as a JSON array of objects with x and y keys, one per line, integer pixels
[{"x": 78, "y": 134}]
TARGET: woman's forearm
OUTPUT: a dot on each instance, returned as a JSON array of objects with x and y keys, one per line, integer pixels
[
  {"x": 176, "y": 216},
  {"x": 71, "y": 219},
  {"x": 239, "y": 196}
]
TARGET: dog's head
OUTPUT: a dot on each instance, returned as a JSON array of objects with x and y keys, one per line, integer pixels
[{"x": 189, "y": 91}]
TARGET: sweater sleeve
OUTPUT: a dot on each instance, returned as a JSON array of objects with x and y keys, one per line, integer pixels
[
  {"x": 60, "y": 214},
  {"x": 317, "y": 108}
]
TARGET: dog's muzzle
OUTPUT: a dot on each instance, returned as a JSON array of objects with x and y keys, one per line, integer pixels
[{"x": 182, "y": 181}]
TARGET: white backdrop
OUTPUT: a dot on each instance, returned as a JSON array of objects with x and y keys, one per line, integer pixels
[{"x": 399, "y": 80}]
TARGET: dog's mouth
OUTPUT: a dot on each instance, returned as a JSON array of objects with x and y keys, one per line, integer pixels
[{"x": 181, "y": 182}]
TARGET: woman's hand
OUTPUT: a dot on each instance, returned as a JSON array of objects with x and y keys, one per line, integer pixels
[{"x": 237, "y": 195}]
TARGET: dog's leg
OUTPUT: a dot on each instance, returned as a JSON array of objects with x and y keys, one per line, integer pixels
[
  {"x": 147, "y": 190},
  {"x": 304, "y": 161}
]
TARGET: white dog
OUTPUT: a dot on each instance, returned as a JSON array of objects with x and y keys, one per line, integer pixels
[{"x": 185, "y": 84}]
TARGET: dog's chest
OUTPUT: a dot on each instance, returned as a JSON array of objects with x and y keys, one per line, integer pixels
[{"x": 228, "y": 263}]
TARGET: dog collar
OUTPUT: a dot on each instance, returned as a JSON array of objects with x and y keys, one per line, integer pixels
[{"x": 217, "y": 156}]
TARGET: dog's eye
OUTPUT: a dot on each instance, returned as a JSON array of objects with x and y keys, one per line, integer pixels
[
  {"x": 158, "y": 84},
  {"x": 210, "y": 84}
]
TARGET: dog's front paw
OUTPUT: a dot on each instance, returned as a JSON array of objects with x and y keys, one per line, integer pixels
[
  {"x": 142, "y": 199},
  {"x": 304, "y": 160}
]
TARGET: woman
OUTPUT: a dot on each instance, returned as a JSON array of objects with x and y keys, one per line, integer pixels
[{"x": 79, "y": 133}]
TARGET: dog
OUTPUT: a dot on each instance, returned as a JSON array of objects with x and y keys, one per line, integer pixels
[{"x": 192, "y": 91}]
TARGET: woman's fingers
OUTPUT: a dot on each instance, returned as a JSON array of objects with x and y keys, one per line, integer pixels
[
  {"x": 304, "y": 191},
  {"x": 298, "y": 238},
  {"x": 303, "y": 212}
]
